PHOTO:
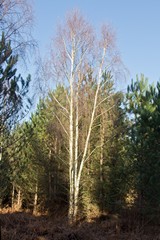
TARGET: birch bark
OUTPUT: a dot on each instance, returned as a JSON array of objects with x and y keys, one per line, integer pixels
[{"x": 76, "y": 46}]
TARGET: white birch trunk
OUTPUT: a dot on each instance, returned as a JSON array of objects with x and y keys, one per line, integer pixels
[
  {"x": 76, "y": 188},
  {"x": 71, "y": 139},
  {"x": 13, "y": 196},
  {"x": 35, "y": 200},
  {"x": 19, "y": 200},
  {"x": 91, "y": 124}
]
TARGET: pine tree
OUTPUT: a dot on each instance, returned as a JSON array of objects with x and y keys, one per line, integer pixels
[
  {"x": 13, "y": 105},
  {"x": 143, "y": 105}
]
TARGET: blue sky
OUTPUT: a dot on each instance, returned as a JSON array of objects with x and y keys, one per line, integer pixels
[{"x": 136, "y": 23}]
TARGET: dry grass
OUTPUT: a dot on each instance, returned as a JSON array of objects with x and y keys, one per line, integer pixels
[{"x": 25, "y": 226}]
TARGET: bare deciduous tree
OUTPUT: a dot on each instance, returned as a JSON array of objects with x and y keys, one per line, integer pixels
[
  {"x": 16, "y": 21},
  {"x": 76, "y": 51}
]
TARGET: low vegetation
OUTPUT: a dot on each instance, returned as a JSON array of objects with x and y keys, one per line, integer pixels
[{"x": 26, "y": 226}]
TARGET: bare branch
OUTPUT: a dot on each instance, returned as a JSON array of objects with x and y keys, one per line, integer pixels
[
  {"x": 104, "y": 99},
  {"x": 65, "y": 109},
  {"x": 16, "y": 22}
]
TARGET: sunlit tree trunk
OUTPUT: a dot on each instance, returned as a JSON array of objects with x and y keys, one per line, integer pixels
[
  {"x": 19, "y": 200},
  {"x": 102, "y": 132},
  {"x": 13, "y": 196},
  {"x": 71, "y": 139},
  {"x": 35, "y": 200}
]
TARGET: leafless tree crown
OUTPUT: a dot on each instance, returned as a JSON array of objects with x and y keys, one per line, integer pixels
[{"x": 16, "y": 21}]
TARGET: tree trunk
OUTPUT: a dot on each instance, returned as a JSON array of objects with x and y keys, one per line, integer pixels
[
  {"x": 76, "y": 195},
  {"x": 13, "y": 196},
  {"x": 102, "y": 132},
  {"x": 35, "y": 200},
  {"x": 71, "y": 145},
  {"x": 49, "y": 177},
  {"x": 19, "y": 200}
]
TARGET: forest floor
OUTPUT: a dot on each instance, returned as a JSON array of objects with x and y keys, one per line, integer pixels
[{"x": 26, "y": 226}]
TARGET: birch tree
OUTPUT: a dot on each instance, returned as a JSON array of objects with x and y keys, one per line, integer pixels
[
  {"x": 76, "y": 52},
  {"x": 16, "y": 21}
]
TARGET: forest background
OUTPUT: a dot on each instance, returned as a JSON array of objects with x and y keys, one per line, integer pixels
[{"x": 90, "y": 147}]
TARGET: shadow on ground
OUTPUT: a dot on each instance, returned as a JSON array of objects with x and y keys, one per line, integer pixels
[{"x": 25, "y": 226}]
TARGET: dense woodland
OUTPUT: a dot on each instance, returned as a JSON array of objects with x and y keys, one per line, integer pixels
[{"x": 88, "y": 149}]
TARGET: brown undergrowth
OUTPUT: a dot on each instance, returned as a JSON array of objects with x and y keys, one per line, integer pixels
[{"x": 26, "y": 226}]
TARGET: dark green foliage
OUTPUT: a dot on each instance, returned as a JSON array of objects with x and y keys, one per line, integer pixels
[
  {"x": 105, "y": 181},
  {"x": 13, "y": 106},
  {"x": 13, "y": 89},
  {"x": 48, "y": 155},
  {"x": 143, "y": 103}
]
